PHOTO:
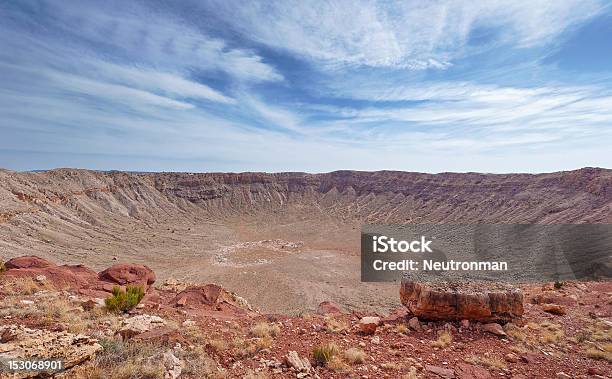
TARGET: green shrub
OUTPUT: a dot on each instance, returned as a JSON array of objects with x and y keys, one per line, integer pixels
[
  {"x": 122, "y": 301},
  {"x": 324, "y": 353},
  {"x": 2, "y": 268}
]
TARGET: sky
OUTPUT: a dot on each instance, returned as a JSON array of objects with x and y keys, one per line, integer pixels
[{"x": 313, "y": 86}]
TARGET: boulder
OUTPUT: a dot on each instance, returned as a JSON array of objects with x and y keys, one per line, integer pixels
[
  {"x": 329, "y": 307},
  {"x": 139, "y": 324},
  {"x": 124, "y": 274},
  {"x": 553, "y": 297},
  {"x": 398, "y": 315},
  {"x": 554, "y": 309},
  {"x": 19, "y": 342},
  {"x": 445, "y": 373},
  {"x": 494, "y": 328},
  {"x": 27, "y": 261},
  {"x": 292, "y": 359},
  {"x": 470, "y": 301},
  {"x": 172, "y": 365},
  {"x": 415, "y": 324},
  {"x": 368, "y": 325},
  {"x": 211, "y": 300}
]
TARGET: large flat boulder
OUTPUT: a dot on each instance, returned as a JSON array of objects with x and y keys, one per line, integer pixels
[
  {"x": 467, "y": 301},
  {"x": 19, "y": 342}
]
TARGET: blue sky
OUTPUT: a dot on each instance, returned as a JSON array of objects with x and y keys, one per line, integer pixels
[{"x": 431, "y": 86}]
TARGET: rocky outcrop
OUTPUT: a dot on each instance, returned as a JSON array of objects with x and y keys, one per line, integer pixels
[
  {"x": 79, "y": 278},
  {"x": 486, "y": 303},
  {"x": 19, "y": 342},
  {"x": 211, "y": 300},
  {"x": 124, "y": 274}
]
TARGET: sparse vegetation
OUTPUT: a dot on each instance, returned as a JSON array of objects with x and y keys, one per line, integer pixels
[
  {"x": 127, "y": 360},
  {"x": 444, "y": 339},
  {"x": 402, "y": 328},
  {"x": 558, "y": 284},
  {"x": 264, "y": 329},
  {"x": 603, "y": 353},
  {"x": 355, "y": 356},
  {"x": 2, "y": 268},
  {"x": 488, "y": 362},
  {"x": 217, "y": 345},
  {"x": 122, "y": 301},
  {"x": 550, "y": 333},
  {"x": 24, "y": 286},
  {"x": 323, "y": 354}
]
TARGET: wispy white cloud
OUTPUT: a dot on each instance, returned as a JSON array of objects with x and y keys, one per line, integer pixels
[{"x": 400, "y": 34}]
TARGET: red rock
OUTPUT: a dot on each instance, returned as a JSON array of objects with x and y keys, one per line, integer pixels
[
  {"x": 511, "y": 357},
  {"x": 400, "y": 314},
  {"x": 28, "y": 261},
  {"x": 436, "y": 302},
  {"x": 494, "y": 328},
  {"x": 554, "y": 309},
  {"x": 124, "y": 274},
  {"x": 163, "y": 334},
  {"x": 210, "y": 300},
  {"x": 595, "y": 371},
  {"x": 445, "y": 373},
  {"x": 329, "y": 307},
  {"x": 468, "y": 371},
  {"x": 553, "y": 297},
  {"x": 368, "y": 325}
]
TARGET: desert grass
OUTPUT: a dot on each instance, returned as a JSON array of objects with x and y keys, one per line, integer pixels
[
  {"x": 444, "y": 339},
  {"x": 24, "y": 286},
  {"x": 488, "y": 362},
  {"x": 323, "y": 354},
  {"x": 355, "y": 356},
  {"x": 600, "y": 352},
  {"x": 402, "y": 329},
  {"x": 127, "y": 360},
  {"x": 199, "y": 364},
  {"x": 411, "y": 374},
  {"x": 264, "y": 329}
]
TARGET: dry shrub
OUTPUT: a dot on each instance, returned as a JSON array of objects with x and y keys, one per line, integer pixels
[
  {"x": 263, "y": 329},
  {"x": 603, "y": 353},
  {"x": 411, "y": 374},
  {"x": 337, "y": 364},
  {"x": 198, "y": 364},
  {"x": 323, "y": 354},
  {"x": 402, "y": 328},
  {"x": 392, "y": 366},
  {"x": 489, "y": 362},
  {"x": 516, "y": 333},
  {"x": 24, "y": 286},
  {"x": 354, "y": 355},
  {"x": 128, "y": 360},
  {"x": 217, "y": 345},
  {"x": 550, "y": 333},
  {"x": 334, "y": 325},
  {"x": 444, "y": 339}
]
